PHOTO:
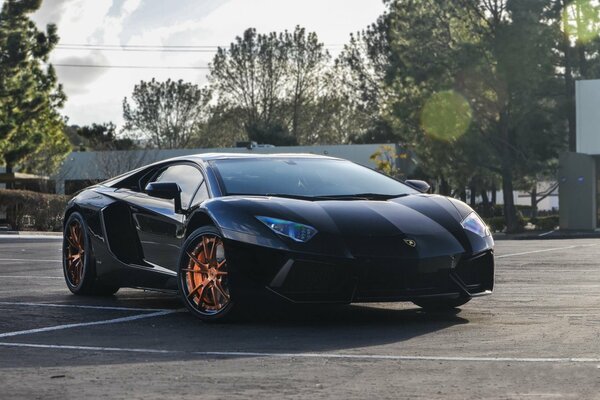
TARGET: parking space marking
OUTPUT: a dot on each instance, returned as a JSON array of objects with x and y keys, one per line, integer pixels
[
  {"x": 88, "y": 348},
  {"x": 28, "y": 260},
  {"x": 12, "y": 237},
  {"x": 79, "y": 325},
  {"x": 546, "y": 250},
  {"x": 380, "y": 357},
  {"x": 108, "y": 308},
  {"x": 30, "y": 277}
]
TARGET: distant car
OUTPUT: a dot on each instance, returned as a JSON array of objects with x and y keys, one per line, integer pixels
[{"x": 232, "y": 230}]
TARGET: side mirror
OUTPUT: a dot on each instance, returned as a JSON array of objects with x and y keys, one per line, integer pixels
[
  {"x": 421, "y": 186},
  {"x": 166, "y": 190}
]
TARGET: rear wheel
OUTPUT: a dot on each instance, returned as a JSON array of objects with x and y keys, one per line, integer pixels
[
  {"x": 204, "y": 276},
  {"x": 79, "y": 262},
  {"x": 441, "y": 304}
]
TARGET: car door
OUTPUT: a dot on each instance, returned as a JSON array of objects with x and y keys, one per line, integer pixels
[{"x": 159, "y": 227}]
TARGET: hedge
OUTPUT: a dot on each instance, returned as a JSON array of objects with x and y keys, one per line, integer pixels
[
  {"x": 498, "y": 224},
  {"x": 33, "y": 211},
  {"x": 546, "y": 223}
]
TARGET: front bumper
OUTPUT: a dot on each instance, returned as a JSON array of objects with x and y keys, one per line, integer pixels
[{"x": 303, "y": 278}]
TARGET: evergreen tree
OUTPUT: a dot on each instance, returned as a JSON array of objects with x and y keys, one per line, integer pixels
[{"x": 31, "y": 129}]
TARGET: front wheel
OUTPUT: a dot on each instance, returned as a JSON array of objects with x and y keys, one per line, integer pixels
[
  {"x": 204, "y": 276},
  {"x": 441, "y": 304}
]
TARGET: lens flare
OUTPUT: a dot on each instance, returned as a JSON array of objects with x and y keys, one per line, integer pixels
[
  {"x": 446, "y": 116},
  {"x": 581, "y": 21}
]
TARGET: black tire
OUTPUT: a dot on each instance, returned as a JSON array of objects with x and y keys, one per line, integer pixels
[
  {"x": 204, "y": 280},
  {"x": 79, "y": 263},
  {"x": 441, "y": 304}
]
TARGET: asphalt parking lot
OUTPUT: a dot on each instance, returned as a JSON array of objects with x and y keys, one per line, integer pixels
[{"x": 538, "y": 336}]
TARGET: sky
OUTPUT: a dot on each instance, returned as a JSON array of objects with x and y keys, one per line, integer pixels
[{"x": 96, "y": 94}]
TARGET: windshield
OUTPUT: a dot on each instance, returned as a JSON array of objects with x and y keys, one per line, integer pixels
[{"x": 304, "y": 178}]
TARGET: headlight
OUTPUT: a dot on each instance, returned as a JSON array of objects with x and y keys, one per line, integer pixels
[
  {"x": 474, "y": 224},
  {"x": 293, "y": 230}
]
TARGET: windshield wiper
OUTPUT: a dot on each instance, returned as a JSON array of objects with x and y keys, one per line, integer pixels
[
  {"x": 286, "y": 195},
  {"x": 292, "y": 196},
  {"x": 362, "y": 196},
  {"x": 358, "y": 196}
]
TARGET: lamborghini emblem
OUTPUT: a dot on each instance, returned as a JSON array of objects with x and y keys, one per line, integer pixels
[{"x": 410, "y": 242}]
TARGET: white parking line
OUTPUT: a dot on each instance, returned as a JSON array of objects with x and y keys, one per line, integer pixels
[
  {"x": 50, "y": 237},
  {"x": 28, "y": 260},
  {"x": 545, "y": 250},
  {"x": 109, "y": 308},
  {"x": 105, "y": 322},
  {"x": 30, "y": 277},
  {"x": 380, "y": 357}
]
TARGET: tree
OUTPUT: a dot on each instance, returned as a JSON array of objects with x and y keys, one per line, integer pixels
[
  {"x": 31, "y": 129},
  {"x": 276, "y": 81},
  {"x": 250, "y": 77},
  {"x": 104, "y": 137},
  {"x": 307, "y": 64},
  {"x": 579, "y": 47},
  {"x": 472, "y": 90},
  {"x": 362, "y": 70},
  {"x": 172, "y": 114},
  {"x": 517, "y": 109}
]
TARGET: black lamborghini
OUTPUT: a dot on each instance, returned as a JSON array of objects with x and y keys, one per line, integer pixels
[{"x": 225, "y": 230}]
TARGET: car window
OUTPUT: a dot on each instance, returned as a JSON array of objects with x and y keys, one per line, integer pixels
[
  {"x": 200, "y": 196},
  {"x": 310, "y": 177},
  {"x": 186, "y": 176}
]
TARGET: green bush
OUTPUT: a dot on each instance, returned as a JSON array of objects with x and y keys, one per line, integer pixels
[
  {"x": 547, "y": 223},
  {"x": 33, "y": 211},
  {"x": 496, "y": 224}
]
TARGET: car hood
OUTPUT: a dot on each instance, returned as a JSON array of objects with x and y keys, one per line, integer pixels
[{"x": 363, "y": 227}]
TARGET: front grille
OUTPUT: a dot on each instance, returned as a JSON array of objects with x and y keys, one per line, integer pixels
[
  {"x": 405, "y": 277},
  {"x": 316, "y": 281}
]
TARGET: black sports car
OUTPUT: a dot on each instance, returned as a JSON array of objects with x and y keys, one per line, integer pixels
[{"x": 227, "y": 229}]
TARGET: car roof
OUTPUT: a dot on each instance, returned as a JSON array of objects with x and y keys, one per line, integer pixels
[
  {"x": 205, "y": 157},
  {"x": 248, "y": 156}
]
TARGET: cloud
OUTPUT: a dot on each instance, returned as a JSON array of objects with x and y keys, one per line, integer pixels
[
  {"x": 77, "y": 20},
  {"x": 96, "y": 94},
  {"x": 114, "y": 22},
  {"x": 77, "y": 80},
  {"x": 51, "y": 12}
]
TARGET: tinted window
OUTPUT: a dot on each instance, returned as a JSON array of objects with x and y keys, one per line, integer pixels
[
  {"x": 304, "y": 177},
  {"x": 186, "y": 176},
  {"x": 201, "y": 195}
]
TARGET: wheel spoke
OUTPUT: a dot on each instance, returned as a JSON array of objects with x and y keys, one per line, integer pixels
[
  {"x": 71, "y": 242},
  {"x": 211, "y": 256},
  {"x": 205, "y": 247},
  {"x": 200, "y": 287},
  {"x": 76, "y": 238},
  {"x": 213, "y": 293},
  {"x": 194, "y": 271},
  {"x": 198, "y": 262},
  {"x": 220, "y": 289}
]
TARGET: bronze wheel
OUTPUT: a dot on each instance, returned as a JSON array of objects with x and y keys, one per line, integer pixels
[
  {"x": 204, "y": 275},
  {"x": 75, "y": 253},
  {"x": 79, "y": 263}
]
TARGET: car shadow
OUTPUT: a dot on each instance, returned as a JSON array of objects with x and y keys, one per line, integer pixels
[{"x": 291, "y": 329}]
